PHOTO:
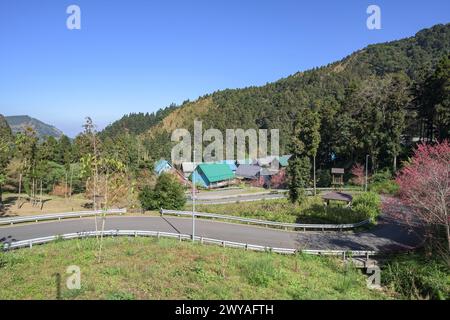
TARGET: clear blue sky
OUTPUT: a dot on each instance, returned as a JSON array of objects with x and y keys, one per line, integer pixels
[{"x": 132, "y": 56}]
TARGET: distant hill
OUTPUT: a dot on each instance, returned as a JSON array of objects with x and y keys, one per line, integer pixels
[
  {"x": 136, "y": 123},
  {"x": 19, "y": 123},
  {"x": 5, "y": 130}
]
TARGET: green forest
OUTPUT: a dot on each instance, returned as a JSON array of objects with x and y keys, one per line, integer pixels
[{"x": 379, "y": 101}]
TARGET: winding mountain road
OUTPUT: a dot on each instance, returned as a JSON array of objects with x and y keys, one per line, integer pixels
[{"x": 386, "y": 236}]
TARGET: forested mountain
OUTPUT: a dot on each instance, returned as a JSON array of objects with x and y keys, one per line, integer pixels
[
  {"x": 136, "y": 123},
  {"x": 378, "y": 101},
  {"x": 5, "y": 142},
  {"x": 365, "y": 101},
  {"x": 42, "y": 130},
  {"x": 5, "y": 130}
]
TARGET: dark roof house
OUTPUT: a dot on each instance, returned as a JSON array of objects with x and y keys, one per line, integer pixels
[{"x": 248, "y": 171}]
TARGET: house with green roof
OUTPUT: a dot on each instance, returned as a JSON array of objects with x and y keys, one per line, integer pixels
[
  {"x": 212, "y": 175},
  {"x": 284, "y": 160}
]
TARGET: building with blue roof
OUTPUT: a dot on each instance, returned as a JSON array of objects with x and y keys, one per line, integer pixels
[{"x": 162, "y": 166}]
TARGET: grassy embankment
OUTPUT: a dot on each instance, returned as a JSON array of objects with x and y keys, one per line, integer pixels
[
  {"x": 146, "y": 268},
  {"x": 418, "y": 276},
  {"x": 312, "y": 210}
]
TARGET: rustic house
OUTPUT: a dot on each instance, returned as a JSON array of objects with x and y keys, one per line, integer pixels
[
  {"x": 187, "y": 168},
  {"x": 212, "y": 175},
  {"x": 248, "y": 171},
  {"x": 162, "y": 166}
]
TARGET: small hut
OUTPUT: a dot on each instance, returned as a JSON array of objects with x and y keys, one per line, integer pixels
[
  {"x": 337, "y": 196},
  {"x": 338, "y": 177}
]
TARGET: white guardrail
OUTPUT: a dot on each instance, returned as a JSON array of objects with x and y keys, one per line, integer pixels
[
  {"x": 59, "y": 216},
  {"x": 203, "y": 240},
  {"x": 322, "y": 227}
]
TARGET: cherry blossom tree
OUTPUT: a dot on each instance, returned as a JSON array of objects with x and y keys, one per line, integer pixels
[
  {"x": 258, "y": 183},
  {"x": 425, "y": 186},
  {"x": 278, "y": 180},
  {"x": 358, "y": 174}
]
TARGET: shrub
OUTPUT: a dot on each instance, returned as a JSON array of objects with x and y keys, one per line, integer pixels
[
  {"x": 385, "y": 187},
  {"x": 167, "y": 194},
  {"x": 381, "y": 176},
  {"x": 323, "y": 178},
  {"x": 368, "y": 204},
  {"x": 415, "y": 277},
  {"x": 260, "y": 272}
]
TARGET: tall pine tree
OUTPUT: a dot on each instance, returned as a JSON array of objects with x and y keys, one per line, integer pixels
[
  {"x": 5, "y": 152},
  {"x": 304, "y": 144}
]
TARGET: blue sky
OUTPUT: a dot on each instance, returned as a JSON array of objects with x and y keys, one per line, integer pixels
[{"x": 132, "y": 56}]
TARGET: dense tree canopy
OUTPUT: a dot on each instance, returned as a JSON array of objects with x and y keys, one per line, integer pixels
[
  {"x": 364, "y": 102},
  {"x": 5, "y": 151},
  {"x": 379, "y": 101},
  {"x": 167, "y": 194},
  {"x": 304, "y": 144}
]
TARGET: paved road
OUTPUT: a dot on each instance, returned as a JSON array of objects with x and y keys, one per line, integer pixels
[
  {"x": 387, "y": 236},
  {"x": 240, "y": 198}
]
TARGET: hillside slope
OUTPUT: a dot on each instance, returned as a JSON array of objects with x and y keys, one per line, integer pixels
[
  {"x": 327, "y": 89},
  {"x": 19, "y": 123},
  {"x": 5, "y": 130}
]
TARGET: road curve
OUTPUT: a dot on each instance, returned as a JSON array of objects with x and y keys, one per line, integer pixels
[
  {"x": 385, "y": 237},
  {"x": 235, "y": 199}
]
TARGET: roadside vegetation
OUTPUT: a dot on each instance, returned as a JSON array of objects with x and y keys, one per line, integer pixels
[
  {"x": 148, "y": 268},
  {"x": 167, "y": 193},
  {"x": 382, "y": 182},
  {"x": 417, "y": 276},
  {"x": 310, "y": 210}
]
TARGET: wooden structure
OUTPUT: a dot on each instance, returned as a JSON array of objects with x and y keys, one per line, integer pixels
[
  {"x": 338, "y": 196},
  {"x": 338, "y": 177}
]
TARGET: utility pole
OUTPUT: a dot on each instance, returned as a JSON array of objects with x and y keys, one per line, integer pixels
[
  {"x": 20, "y": 191},
  {"x": 65, "y": 187},
  {"x": 71, "y": 180},
  {"x": 367, "y": 168},
  {"x": 315, "y": 189},
  {"x": 40, "y": 198},
  {"x": 193, "y": 201}
]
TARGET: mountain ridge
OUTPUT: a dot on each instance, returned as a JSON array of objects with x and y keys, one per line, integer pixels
[
  {"x": 274, "y": 104},
  {"x": 18, "y": 123}
]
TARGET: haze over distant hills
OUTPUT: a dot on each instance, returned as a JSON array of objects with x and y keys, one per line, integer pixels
[{"x": 19, "y": 123}]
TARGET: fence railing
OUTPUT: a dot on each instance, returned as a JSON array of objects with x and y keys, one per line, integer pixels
[
  {"x": 59, "y": 216},
  {"x": 266, "y": 223},
  {"x": 203, "y": 240}
]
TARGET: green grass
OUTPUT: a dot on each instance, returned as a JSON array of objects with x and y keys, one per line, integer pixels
[
  {"x": 312, "y": 210},
  {"x": 384, "y": 187},
  {"x": 148, "y": 268},
  {"x": 417, "y": 276}
]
